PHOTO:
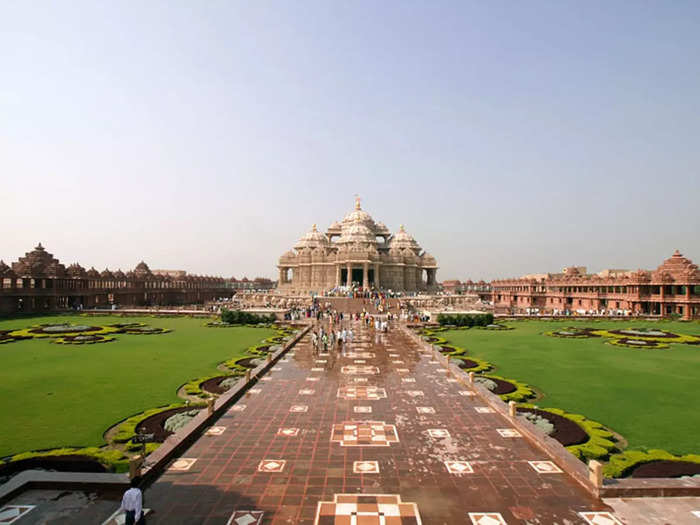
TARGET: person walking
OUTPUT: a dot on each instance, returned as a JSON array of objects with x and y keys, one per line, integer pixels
[{"x": 132, "y": 502}]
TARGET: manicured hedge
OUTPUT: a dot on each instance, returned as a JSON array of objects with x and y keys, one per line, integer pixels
[
  {"x": 239, "y": 317},
  {"x": 114, "y": 460},
  {"x": 522, "y": 391},
  {"x": 466, "y": 320},
  {"x": 621, "y": 464},
  {"x": 600, "y": 440}
]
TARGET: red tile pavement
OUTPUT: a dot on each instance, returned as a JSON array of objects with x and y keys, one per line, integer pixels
[{"x": 424, "y": 467}]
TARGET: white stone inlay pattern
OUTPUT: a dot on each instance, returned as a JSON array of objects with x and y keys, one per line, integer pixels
[
  {"x": 365, "y": 467},
  {"x": 182, "y": 464},
  {"x": 362, "y": 410},
  {"x": 545, "y": 467},
  {"x": 215, "y": 431},
  {"x": 11, "y": 513},
  {"x": 508, "y": 432},
  {"x": 458, "y": 467},
  {"x": 272, "y": 465},
  {"x": 487, "y": 518},
  {"x": 425, "y": 410},
  {"x": 484, "y": 410},
  {"x": 438, "y": 432},
  {"x": 600, "y": 518},
  {"x": 359, "y": 370},
  {"x": 288, "y": 432},
  {"x": 245, "y": 517},
  {"x": 297, "y": 409}
]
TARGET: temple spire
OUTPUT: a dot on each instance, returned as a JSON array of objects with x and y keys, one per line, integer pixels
[{"x": 357, "y": 202}]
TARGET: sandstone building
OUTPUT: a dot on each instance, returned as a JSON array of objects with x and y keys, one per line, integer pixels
[
  {"x": 38, "y": 282},
  {"x": 360, "y": 252},
  {"x": 673, "y": 288}
]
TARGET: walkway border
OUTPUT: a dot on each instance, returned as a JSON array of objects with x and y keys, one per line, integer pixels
[
  {"x": 575, "y": 468},
  {"x": 158, "y": 459}
]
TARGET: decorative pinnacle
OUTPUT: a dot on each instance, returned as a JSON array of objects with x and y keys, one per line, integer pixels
[
  {"x": 401, "y": 228},
  {"x": 357, "y": 202},
  {"x": 313, "y": 227}
]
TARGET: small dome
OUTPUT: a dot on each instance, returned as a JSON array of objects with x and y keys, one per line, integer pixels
[
  {"x": 313, "y": 239},
  {"x": 106, "y": 274},
  {"x": 75, "y": 270},
  {"x": 403, "y": 240},
  {"x": 93, "y": 273}
]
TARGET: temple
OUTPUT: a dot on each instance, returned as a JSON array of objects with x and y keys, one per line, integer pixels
[
  {"x": 672, "y": 289},
  {"x": 357, "y": 252}
]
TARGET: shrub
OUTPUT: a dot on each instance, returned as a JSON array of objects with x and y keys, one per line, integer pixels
[
  {"x": 624, "y": 462},
  {"x": 465, "y": 320},
  {"x": 600, "y": 440},
  {"x": 114, "y": 460},
  {"x": 231, "y": 317}
]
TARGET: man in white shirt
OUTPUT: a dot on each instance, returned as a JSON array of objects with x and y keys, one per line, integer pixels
[{"x": 132, "y": 502}]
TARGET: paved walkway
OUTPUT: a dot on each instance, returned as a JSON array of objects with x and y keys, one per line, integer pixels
[{"x": 375, "y": 433}]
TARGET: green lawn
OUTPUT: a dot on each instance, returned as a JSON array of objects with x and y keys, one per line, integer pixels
[
  {"x": 68, "y": 395},
  {"x": 651, "y": 397}
]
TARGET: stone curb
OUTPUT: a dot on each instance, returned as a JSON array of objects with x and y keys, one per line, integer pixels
[{"x": 577, "y": 469}]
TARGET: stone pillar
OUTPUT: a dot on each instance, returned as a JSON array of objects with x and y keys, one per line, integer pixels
[
  {"x": 687, "y": 307},
  {"x": 365, "y": 276},
  {"x": 337, "y": 275},
  {"x": 135, "y": 464},
  {"x": 376, "y": 275},
  {"x": 349, "y": 279},
  {"x": 595, "y": 473},
  {"x": 512, "y": 409},
  {"x": 282, "y": 275}
]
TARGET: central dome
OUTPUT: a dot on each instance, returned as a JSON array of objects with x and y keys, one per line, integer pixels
[{"x": 358, "y": 216}]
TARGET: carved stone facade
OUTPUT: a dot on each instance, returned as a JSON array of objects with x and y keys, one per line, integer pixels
[
  {"x": 38, "y": 282},
  {"x": 672, "y": 289},
  {"x": 360, "y": 252}
]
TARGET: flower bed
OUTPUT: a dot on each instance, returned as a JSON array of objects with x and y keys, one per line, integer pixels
[
  {"x": 495, "y": 327},
  {"x": 87, "y": 339},
  {"x": 649, "y": 334},
  {"x": 600, "y": 440},
  {"x": 626, "y": 463},
  {"x": 573, "y": 333},
  {"x": 636, "y": 343},
  {"x": 60, "y": 330},
  {"x": 144, "y": 330},
  {"x": 510, "y": 389},
  {"x": 89, "y": 459}
]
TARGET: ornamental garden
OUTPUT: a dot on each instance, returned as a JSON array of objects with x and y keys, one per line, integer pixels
[
  {"x": 82, "y": 388},
  {"x": 621, "y": 392}
]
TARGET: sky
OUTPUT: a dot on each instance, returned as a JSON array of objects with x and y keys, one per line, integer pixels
[{"x": 508, "y": 137}]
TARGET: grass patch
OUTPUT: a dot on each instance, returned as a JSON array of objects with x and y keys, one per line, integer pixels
[
  {"x": 650, "y": 397},
  {"x": 68, "y": 395}
]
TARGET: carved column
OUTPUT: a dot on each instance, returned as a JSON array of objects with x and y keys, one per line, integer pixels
[
  {"x": 376, "y": 275},
  {"x": 337, "y": 275},
  {"x": 349, "y": 279},
  {"x": 365, "y": 276}
]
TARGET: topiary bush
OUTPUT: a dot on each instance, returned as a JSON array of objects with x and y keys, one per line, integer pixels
[
  {"x": 600, "y": 440},
  {"x": 624, "y": 462}
]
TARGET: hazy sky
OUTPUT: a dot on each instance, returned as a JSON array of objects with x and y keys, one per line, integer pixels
[{"x": 509, "y": 137}]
